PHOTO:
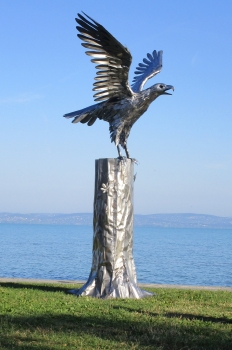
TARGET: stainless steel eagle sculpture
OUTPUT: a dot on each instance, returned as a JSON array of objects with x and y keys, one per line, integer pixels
[{"x": 121, "y": 104}]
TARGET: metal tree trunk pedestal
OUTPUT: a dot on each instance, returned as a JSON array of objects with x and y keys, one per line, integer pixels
[{"x": 113, "y": 273}]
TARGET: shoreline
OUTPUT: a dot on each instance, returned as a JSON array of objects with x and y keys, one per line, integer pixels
[{"x": 145, "y": 285}]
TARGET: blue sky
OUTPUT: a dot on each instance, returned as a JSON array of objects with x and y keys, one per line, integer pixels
[{"x": 183, "y": 142}]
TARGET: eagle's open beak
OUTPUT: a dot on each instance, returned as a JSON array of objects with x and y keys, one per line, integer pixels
[{"x": 168, "y": 87}]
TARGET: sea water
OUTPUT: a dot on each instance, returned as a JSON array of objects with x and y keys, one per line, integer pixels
[{"x": 162, "y": 255}]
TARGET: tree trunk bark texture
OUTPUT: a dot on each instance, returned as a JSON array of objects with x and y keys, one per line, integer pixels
[{"x": 113, "y": 273}]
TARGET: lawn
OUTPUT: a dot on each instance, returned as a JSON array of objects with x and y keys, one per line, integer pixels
[{"x": 44, "y": 316}]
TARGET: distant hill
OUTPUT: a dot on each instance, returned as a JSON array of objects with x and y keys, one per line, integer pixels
[
  {"x": 156, "y": 220},
  {"x": 184, "y": 220}
]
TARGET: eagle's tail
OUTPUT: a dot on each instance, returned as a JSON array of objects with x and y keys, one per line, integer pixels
[{"x": 85, "y": 115}]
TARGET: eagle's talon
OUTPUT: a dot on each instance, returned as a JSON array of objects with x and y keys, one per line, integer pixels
[{"x": 134, "y": 161}]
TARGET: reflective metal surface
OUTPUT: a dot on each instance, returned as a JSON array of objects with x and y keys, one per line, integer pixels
[
  {"x": 122, "y": 105},
  {"x": 113, "y": 272}
]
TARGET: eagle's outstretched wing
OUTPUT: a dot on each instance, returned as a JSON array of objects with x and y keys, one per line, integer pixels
[
  {"x": 112, "y": 58},
  {"x": 151, "y": 66}
]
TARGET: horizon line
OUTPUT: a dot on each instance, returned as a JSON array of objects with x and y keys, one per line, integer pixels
[{"x": 91, "y": 213}]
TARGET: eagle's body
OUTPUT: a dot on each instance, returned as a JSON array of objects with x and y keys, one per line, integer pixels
[{"x": 122, "y": 105}]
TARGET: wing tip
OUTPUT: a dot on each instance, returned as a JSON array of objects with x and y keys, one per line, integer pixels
[{"x": 66, "y": 116}]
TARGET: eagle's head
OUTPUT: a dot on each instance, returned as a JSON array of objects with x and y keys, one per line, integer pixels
[{"x": 161, "y": 89}]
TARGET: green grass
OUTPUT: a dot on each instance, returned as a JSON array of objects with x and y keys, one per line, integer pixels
[{"x": 39, "y": 316}]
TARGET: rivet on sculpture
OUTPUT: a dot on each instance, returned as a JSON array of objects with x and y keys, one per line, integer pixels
[{"x": 113, "y": 272}]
